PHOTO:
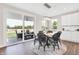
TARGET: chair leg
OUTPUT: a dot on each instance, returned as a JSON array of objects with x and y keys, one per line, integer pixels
[
  {"x": 38, "y": 47},
  {"x": 34, "y": 42},
  {"x": 54, "y": 47},
  {"x": 58, "y": 46},
  {"x": 40, "y": 43},
  {"x": 48, "y": 46},
  {"x": 60, "y": 42},
  {"x": 44, "y": 47}
]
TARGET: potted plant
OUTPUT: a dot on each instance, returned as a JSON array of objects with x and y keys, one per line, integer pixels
[{"x": 55, "y": 25}]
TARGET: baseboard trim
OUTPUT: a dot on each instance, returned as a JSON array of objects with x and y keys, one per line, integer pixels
[{"x": 71, "y": 41}]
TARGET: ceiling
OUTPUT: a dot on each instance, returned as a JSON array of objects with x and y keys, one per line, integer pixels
[{"x": 39, "y": 8}]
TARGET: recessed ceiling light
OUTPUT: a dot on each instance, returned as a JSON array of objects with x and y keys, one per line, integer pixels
[
  {"x": 55, "y": 11},
  {"x": 64, "y": 8}
]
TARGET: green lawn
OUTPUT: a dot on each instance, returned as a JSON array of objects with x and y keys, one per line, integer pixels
[{"x": 11, "y": 34}]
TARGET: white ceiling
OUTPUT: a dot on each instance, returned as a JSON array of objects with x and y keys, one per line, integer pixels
[{"x": 39, "y": 8}]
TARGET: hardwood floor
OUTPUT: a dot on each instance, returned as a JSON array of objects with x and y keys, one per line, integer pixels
[
  {"x": 72, "y": 48},
  {"x": 26, "y": 49}
]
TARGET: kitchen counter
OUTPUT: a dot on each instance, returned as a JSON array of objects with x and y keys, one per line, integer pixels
[{"x": 70, "y": 36}]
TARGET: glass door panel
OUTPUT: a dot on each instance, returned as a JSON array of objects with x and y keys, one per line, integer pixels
[
  {"x": 28, "y": 27},
  {"x": 14, "y": 28}
]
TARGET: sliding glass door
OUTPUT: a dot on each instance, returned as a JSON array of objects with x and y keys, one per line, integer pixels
[
  {"x": 18, "y": 27},
  {"x": 14, "y": 28}
]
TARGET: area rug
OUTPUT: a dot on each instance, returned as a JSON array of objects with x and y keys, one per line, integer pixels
[{"x": 50, "y": 51}]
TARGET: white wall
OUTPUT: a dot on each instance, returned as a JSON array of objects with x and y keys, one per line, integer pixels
[
  {"x": 38, "y": 23},
  {"x": 2, "y": 29}
]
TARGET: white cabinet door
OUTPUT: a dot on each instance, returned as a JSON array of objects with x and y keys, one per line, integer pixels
[
  {"x": 71, "y": 19},
  {"x": 72, "y": 36},
  {"x": 66, "y": 35},
  {"x": 66, "y": 20},
  {"x": 74, "y": 19},
  {"x": 75, "y": 36}
]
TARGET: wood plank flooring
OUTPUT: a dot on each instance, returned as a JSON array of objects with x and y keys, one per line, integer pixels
[
  {"x": 26, "y": 49},
  {"x": 72, "y": 48}
]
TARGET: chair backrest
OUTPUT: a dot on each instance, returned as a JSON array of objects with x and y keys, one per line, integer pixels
[
  {"x": 41, "y": 37},
  {"x": 56, "y": 36}
]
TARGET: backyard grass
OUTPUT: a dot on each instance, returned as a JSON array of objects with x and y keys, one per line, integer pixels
[{"x": 11, "y": 34}]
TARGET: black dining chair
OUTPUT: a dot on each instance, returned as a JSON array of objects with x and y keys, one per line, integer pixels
[
  {"x": 56, "y": 39},
  {"x": 42, "y": 39}
]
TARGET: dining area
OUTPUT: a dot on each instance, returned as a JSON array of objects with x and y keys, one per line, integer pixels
[{"x": 49, "y": 43}]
